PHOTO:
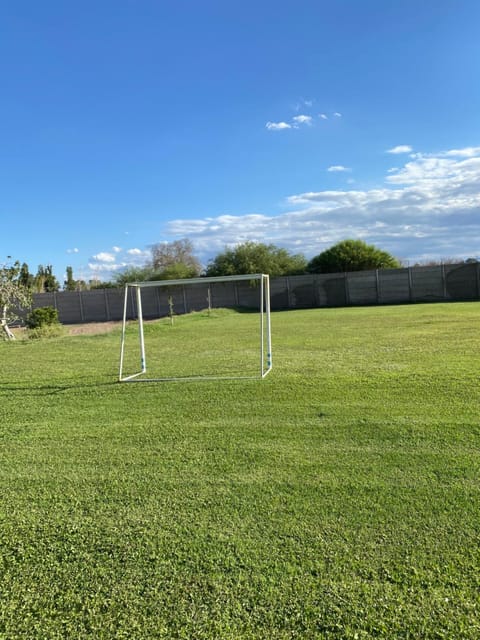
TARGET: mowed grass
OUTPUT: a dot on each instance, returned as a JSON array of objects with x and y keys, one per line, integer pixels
[{"x": 337, "y": 498}]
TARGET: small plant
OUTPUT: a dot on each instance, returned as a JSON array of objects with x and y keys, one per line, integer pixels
[
  {"x": 209, "y": 300},
  {"x": 46, "y": 331},
  {"x": 43, "y": 323},
  {"x": 41, "y": 317},
  {"x": 170, "y": 309}
]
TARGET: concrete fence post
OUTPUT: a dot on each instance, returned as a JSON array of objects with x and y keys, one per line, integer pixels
[
  {"x": 80, "y": 302},
  {"x": 107, "y": 306},
  {"x": 444, "y": 282},
  {"x": 345, "y": 285}
]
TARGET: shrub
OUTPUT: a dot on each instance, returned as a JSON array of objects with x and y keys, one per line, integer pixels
[
  {"x": 42, "y": 317},
  {"x": 46, "y": 331}
]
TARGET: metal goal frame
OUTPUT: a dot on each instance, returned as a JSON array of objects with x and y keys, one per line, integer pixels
[{"x": 265, "y": 346}]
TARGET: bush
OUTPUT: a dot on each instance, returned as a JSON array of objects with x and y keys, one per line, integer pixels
[
  {"x": 42, "y": 317},
  {"x": 352, "y": 255},
  {"x": 46, "y": 331}
]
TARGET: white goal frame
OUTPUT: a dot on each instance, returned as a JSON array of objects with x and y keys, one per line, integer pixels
[{"x": 265, "y": 347}]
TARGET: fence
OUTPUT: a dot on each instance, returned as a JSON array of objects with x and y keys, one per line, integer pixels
[{"x": 385, "y": 286}]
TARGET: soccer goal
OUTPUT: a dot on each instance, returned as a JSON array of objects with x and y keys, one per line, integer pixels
[{"x": 196, "y": 328}]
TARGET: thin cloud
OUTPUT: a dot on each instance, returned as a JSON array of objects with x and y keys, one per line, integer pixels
[
  {"x": 75, "y": 250},
  {"x": 277, "y": 126},
  {"x": 139, "y": 254},
  {"x": 337, "y": 168},
  {"x": 401, "y": 148},
  {"x": 302, "y": 119},
  {"x": 323, "y": 116},
  {"x": 337, "y": 114},
  {"x": 101, "y": 267}
]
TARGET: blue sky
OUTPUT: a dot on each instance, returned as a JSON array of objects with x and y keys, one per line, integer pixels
[{"x": 125, "y": 123}]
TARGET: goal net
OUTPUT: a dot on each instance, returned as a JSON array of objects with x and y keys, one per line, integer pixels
[{"x": 197, "y": 328}]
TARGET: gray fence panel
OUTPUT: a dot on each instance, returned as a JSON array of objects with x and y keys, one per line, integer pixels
[
  {"x": 427, "y": 284},
  {"x": 248, "y": 294},
  {"x": 197, "y": 297},
  {"x": 94, "y": 306},
  {"x": 331, "y": 290},
  {"x": 223, "y": 294},
  {"x": 279, "y": 289},
  {"x": 301, "y": 292},
  {"x": 46, "y": 299},
  {"x": 362, "y": 287},
  {"x": 462, "y": 282},
  {"x": 69, "y": 306},
  {"x": 150, "y": 303},
  {"x": 393, "y": 286},
  {"x": 114, "y": 303}
]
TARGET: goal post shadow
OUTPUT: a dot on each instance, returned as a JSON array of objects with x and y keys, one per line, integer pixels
[{"x": 134, "y": 292}]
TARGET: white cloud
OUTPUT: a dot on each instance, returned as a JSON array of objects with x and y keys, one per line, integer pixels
[
  {"x": 468, "y": 152},
  {"x": 277, "y": 126},
  {"x": 401, "y": 148},
  {"x": 107, "y": 263},
  {"x": 323, "y": 116},
  {"x": 337, "y": 168},
  {"x": 75, "y": 250},
  {"x": 99, "y": 267},
  {"x": 302, "y": 119},
  {"x": 104, "y": 256},
  {"x": 428, "y": 206},
  {"x": 337, "y": 115},
  {"x": 138, "y": 253}
]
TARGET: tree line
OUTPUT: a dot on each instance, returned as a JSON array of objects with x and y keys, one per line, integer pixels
[
  {"x": 174, "y": 260},
  {"x": 177, "y": 260}
]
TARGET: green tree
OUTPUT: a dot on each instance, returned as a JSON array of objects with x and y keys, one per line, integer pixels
[
  {"x": 25, "y": 278},
  {"x": 45, "y": 281},
  {"x": 352, "y": 255},
  {"x": 13, "y": 296},
  {"x": 95, "y": 284},
  {"x": 171, "y": 260},
  {"x": 256, "y": 257},
  {"x": 70, "y": 284},
  {"x": 133, "y": 274}
]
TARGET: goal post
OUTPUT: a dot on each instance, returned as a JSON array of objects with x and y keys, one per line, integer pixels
[{"x": 133, "y": 309}]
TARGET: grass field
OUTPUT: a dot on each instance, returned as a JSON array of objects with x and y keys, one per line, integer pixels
[{"x": 337, "y": 498}]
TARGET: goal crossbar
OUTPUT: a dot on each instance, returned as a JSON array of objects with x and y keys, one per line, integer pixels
[{"x": 265, "y": 346}]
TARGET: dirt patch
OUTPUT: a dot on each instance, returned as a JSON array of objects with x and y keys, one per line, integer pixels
[{"x": 92, "y": 328}]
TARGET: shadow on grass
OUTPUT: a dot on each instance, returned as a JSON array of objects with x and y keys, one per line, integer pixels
[{"x": 51, "y": 389}]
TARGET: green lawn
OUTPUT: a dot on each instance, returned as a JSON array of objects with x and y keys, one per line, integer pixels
[{"x": 337, "y": 498}]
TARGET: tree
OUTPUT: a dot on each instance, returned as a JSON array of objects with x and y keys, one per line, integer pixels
[
  {"x": 172, "y": 260},
  {"x": 69, "y": 284},
  {"x": 133, "y": 274},
  {"x": 45, "y": 281},
  {"x": 256, "y": 257},
  {"x": 25, "y": 278},
  {"x": 352, "y": 255},
  {"x": 13, "y": 296}
]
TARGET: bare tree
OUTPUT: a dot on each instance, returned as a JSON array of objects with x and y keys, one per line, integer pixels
[
  {"x": 13, "y": 296},
  {"x": 175, "y": 259}
]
